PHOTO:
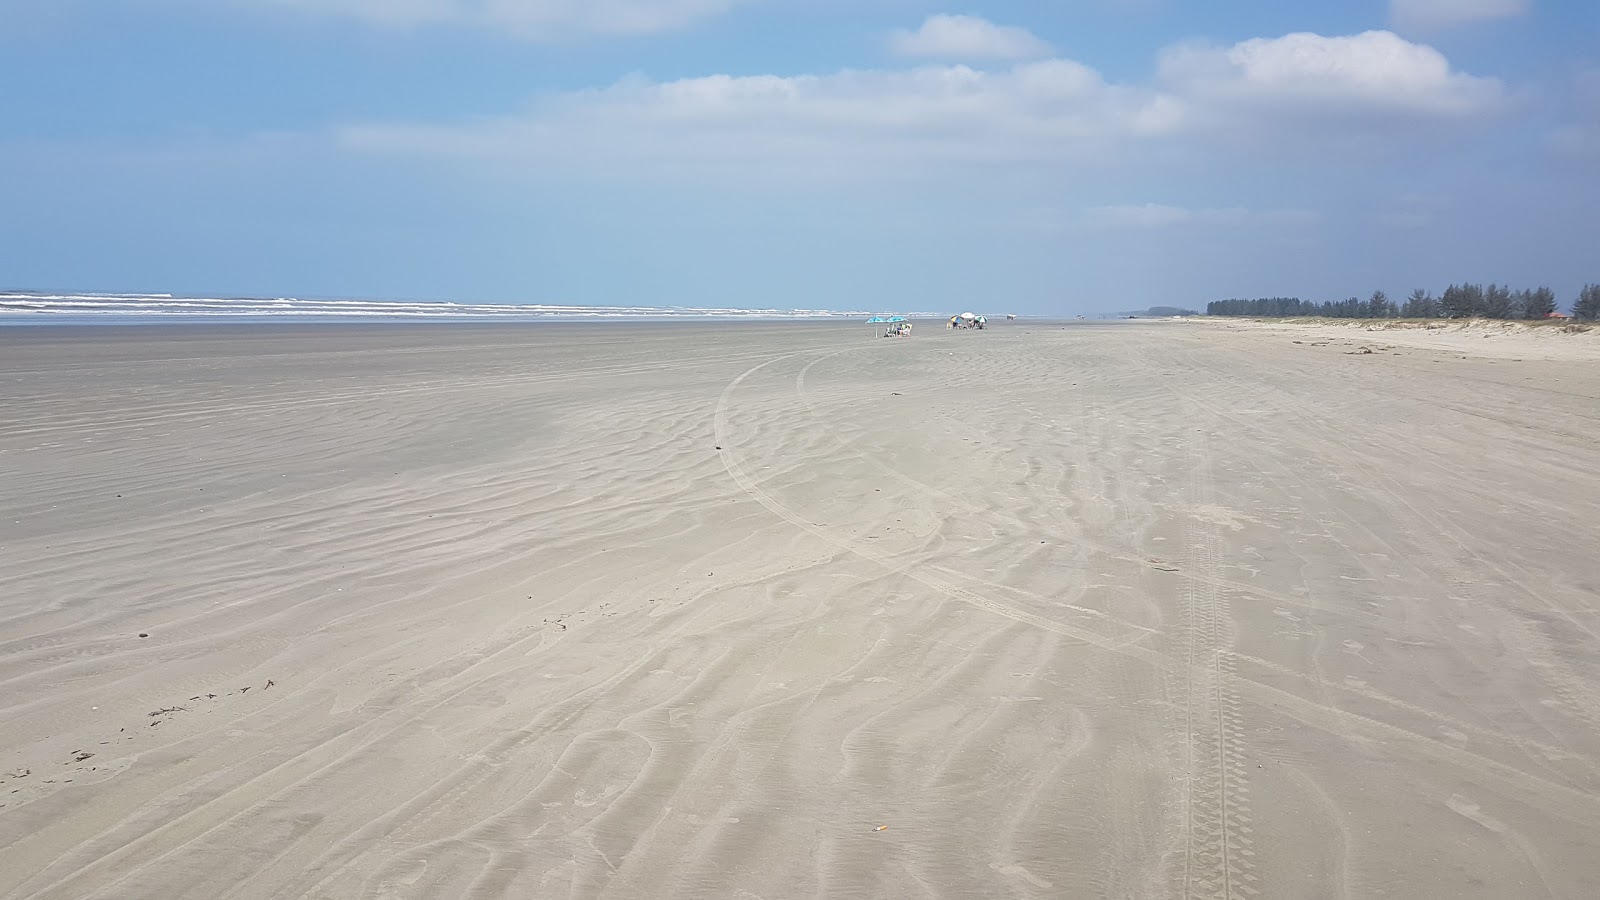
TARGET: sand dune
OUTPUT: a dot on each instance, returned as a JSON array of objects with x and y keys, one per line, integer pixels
[
  {"x": 741, "y": 610},
  {"x": 1490, "y": 338}
]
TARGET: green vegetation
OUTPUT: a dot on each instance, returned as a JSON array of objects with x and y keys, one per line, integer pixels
[
  {"x": 1588, "y": 306},
  {"x": 1459, "y": 301}
]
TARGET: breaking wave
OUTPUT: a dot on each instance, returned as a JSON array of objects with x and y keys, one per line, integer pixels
[{"x": 40, "y": 307}]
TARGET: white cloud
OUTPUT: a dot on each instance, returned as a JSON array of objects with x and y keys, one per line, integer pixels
[
  {"x": 1157, "y": 215},
  {"x": 1045, "y": 111},
  {"x": 1446, "y": 13},
  {"x": 534, "y": 19},
  {"x": 1308, "y": 75},
  {"x": 1053, "y": 112},
  {"x": 967, "y": 38}
]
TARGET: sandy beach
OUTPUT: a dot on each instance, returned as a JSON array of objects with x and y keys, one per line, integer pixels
[{"x": 783, "y": 610}]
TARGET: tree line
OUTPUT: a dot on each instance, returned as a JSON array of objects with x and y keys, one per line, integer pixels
[{"x": 1459, "y": 301}]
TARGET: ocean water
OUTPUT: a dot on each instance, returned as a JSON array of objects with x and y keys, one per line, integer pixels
[{"x": 33, "y": 308}]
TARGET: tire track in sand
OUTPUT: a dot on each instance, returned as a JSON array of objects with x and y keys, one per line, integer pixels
[
  {"x": 1451, "y": 561},
  {"x": 1218, "y": 858},
  {"x": 894, "y": 565},
  {"x": 1088, "y": 543},
  {"x": 1217, "y": 854}
]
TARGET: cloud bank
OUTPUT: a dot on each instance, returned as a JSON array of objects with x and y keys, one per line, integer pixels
[
  {"x": 949, "y": 37},
  {"x": 1375, "y": 72},
  {"x": 1052, "y": 111}
]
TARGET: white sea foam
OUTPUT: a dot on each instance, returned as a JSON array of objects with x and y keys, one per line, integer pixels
[{"x": 39, "y": 306}]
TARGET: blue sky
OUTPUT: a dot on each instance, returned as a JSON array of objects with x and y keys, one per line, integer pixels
[{"x": 1038, "y": 157}]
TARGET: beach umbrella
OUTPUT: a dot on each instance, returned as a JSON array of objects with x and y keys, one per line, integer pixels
[{"x": 886, "y": 320}]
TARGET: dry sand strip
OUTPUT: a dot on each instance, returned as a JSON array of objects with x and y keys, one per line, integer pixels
[{"x": 746, "y": 610}]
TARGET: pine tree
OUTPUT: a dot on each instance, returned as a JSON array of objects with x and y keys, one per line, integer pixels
[
  {"x": 1421, "y": 305},
  {"x": 1460, "y": 301},
  {"x": 1497, "y": 302},
  {"x": 1588, "y": 306},
  {"x": 1538, "y": 303}
]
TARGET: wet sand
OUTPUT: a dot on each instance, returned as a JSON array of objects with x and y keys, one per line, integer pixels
[{"x": 1130, "y": 610}]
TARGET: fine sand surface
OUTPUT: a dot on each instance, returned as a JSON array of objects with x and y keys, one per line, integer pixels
[
  {"x": 1490, "y": 338},
  {"x": 1126, "y": 610}
]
